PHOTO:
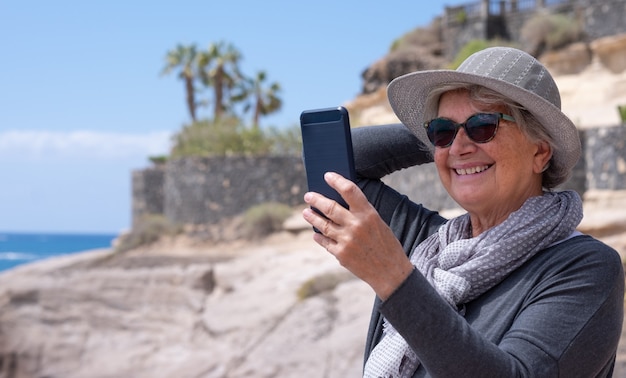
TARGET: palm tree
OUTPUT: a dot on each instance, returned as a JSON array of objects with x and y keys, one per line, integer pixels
[
  {"x": 265, "y": 100},
  {"x": 219, "y": 68},
  {"x": 184, "y": 57}
]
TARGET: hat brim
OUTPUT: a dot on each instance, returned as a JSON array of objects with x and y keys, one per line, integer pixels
[{"x": 407, "y": 95}]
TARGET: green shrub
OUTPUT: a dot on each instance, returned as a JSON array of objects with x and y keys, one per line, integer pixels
[
  {"x": 396, "y": 44},
  {"x": 158, "y": 160},
  {"x": 622, "y": 113},
  {"x": 149, "y": 229},
  {"x": 421, "y": 36},
  {"x": 322, "y": 283},
  {"x": 207, "y": 138},
  {"x": 254, "y": 141},
  {"x": 547, "y": 32},
  {"x": 287, "y": 141},
  {"x": 461, "y": 16},
  {"x": 565, "y": 31},
  {"x": 474, "y": 46},
  {"x": 468, "y": 49},
  {"x": 264, "y": 219},
  {"x": 228, "y": 136}
]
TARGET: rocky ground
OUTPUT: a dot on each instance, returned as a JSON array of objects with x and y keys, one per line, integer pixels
[
  {"x": 280, "y": 307},
  {"x": 276, "y": 308}
]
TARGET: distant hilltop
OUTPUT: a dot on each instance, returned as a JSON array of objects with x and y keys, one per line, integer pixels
[{"x": 592, "y": 42}]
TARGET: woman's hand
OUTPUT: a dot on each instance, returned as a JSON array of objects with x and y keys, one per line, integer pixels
[{"x": 359, "y": 239}]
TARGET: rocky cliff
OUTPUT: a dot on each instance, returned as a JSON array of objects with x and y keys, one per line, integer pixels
[{"x": 591, "y": 78}]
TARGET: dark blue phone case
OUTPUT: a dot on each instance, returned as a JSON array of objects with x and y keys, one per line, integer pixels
[{"x": 327, "y": 147}]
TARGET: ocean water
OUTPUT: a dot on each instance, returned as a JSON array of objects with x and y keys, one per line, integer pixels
[{"x": 22, "y": 248}]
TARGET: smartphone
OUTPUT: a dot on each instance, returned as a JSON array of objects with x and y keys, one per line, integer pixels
[{"x": 327, "y": 147}]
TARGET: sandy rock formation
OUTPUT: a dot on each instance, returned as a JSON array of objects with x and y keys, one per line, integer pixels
[
  {"x": 420, "y": 49},
  {"x": 591, "y": 78},
  {"x": 162, "y": 314},
  {"x": 591, "y": 97}
]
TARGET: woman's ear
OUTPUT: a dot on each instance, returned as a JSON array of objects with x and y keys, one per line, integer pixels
[{"x": 543, "y": 154}]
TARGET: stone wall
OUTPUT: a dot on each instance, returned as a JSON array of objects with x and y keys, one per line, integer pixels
[
  {"x": 207, "y": 190},
  {"x": 578, "y": 179},
  {"x": 147, "y": 187},
  {"x": 603, "y": 18},
  {"x": 606, "y": 158}
]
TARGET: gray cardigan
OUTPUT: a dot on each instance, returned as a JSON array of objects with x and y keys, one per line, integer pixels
[{"x": 558, "y": 315}]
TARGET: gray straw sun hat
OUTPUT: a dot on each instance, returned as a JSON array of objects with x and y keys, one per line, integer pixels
[{"x": 508, "y": 71}]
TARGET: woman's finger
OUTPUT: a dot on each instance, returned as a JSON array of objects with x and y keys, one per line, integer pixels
[
  {"x": 347, "y": 189},
  {"x": 319, "y": 222},
  {"x": 326, "y": 206}
]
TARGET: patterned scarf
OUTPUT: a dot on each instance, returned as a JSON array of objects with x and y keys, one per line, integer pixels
[{"x": 461, "y": 267}]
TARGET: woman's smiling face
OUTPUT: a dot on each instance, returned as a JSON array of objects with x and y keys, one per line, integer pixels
[{"x": 489, "y": 180}]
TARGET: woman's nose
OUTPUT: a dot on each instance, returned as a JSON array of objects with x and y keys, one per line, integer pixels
[{"x": 462, "y": 143}]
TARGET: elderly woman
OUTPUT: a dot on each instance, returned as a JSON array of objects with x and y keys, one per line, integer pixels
[{"x": 510, "y": 288}]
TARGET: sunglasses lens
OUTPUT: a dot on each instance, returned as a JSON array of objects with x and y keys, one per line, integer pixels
[
  {"x": 441, "y": 132},
  {"x": 481, "y": 128}
]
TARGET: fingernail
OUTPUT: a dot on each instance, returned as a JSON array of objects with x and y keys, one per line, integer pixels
[{"x": 307, "y": 197}]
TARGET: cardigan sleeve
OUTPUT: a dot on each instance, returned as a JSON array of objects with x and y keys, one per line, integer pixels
[
  {"x": 567, "y": 324},
  {"x": 381, "y": 150}
]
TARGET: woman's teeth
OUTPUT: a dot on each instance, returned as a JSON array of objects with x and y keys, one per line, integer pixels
[{"x": 470, "y": 171}]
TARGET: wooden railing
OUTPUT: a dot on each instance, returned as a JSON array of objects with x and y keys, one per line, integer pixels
[{"x": 484, "y": 8}]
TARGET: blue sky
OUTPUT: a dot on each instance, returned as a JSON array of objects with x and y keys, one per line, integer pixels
[{"x": 83, "y": 104}]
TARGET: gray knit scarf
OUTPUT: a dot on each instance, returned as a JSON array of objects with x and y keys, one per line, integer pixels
[{"x": 461, "y": 267}]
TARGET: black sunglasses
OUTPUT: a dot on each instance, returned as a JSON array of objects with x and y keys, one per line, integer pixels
[{"x": 480, "y": 128}]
